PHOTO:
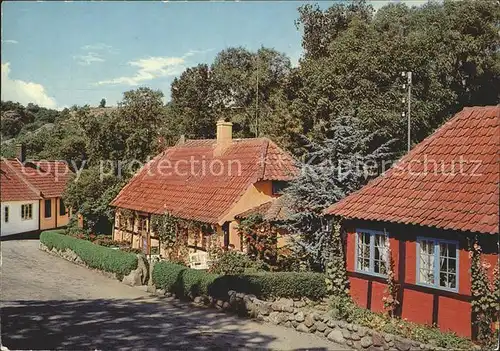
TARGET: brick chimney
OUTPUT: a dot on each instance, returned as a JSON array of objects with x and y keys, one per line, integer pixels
[
  {"x": 224, "y": 132},
  {"x": 21, "y": 152},
  {"x": 224, "y": 136}
]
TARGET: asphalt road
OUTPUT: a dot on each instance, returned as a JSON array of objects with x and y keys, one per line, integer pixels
[{"x": 49, "y": 303}]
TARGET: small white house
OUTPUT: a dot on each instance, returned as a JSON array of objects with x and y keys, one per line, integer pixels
[
  {"x": 30, "y": 195},
  {"x": 19, "y": 217}
]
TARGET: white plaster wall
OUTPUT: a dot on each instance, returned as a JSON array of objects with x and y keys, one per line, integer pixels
[{"x": 16, "y": 224}]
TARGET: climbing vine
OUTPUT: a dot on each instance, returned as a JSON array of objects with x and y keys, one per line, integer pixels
[
  {"x": 485, "y": 294},
  {"x": 337, "y": 282},
  {"x": 390, "y": 299},
  {"x": 165, "y": 227},
  {"x": 260, "y": 237}
]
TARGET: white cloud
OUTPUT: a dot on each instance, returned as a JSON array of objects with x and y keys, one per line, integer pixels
[
  {"x": 88, "y": 58},
  {"x": 377, "y": 4},
  {"x": 10, "y": 41},
  {"x": 98, "y": 47},
  {"x": 149, "y": 69},
  {"x": 24, "y": 92}
]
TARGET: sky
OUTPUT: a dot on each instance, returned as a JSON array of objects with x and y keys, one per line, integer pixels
[{"x": 60, "y": 54}]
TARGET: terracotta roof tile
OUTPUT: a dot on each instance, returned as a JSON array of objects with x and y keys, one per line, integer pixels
[
  {"x": 191, "y": 190},
  {"x": 43, "y": 178},
  {"x": 464, "y": 200}
]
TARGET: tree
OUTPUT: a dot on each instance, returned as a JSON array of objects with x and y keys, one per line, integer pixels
[
  {"x": 332, "y": 169},
  {"x": 354, "y": 59},
  {"x": 102, "y": 104}
]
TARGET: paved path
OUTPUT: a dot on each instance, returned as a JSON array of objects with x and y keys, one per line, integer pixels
[{"x": 49, "y": 303}]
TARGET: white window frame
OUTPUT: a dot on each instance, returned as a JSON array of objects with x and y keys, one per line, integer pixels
[
  {"x": 372, "y": 234},
  {"x": 437, "y": 256},
  {"x": 30, "y": 211}
]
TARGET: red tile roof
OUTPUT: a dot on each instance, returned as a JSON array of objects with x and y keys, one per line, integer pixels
[
  {"x": 277, "y": 209},
  {"x": 412, "y": 193},
  {"x": 45, "y": 178},
  {"x": 13, "y": 187},
  {"x": 179, "y": 180}
]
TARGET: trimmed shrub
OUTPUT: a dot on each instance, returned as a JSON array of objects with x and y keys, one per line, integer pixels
[
  {"x": 94, "y": 256},
  {"x": 187, "y": 282}
]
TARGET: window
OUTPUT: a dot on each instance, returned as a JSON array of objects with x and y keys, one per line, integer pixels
[
  {"x": 48, "y": 208},
  {"x": 6, "y": 214},
  {"x": 437, "y": 263},
  {"x": 278, "y": 187},
  {"x": 27, "y": 211},
  {"x": 62, "y": 208},
  {"x": 372, "y": 252}
]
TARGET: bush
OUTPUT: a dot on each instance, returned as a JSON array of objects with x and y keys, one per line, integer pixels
[
  {"x": 186, "y": 282},
  {"x": 94, "y": 256},
  {"x": 232, "y": 262},
  {"x": 345, "y": 309}
]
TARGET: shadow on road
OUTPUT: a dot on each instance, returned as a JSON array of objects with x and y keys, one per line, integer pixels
[{"x": 124, "y": 324}]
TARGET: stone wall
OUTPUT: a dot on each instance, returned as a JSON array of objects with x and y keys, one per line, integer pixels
[{"x": 303, "y": 317}]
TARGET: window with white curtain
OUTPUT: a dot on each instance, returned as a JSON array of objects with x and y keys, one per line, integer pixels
[
  {"x": 437, "y": 263},
  {"x": 372, "y": 252}
]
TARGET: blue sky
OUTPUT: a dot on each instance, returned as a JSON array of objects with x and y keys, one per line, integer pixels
[{"x": 58, "y": 54}]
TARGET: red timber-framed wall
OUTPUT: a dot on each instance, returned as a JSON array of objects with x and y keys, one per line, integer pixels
[{"x": 451, "y": 311}]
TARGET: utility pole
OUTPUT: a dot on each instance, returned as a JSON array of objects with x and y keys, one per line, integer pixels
[
  {"x": 257, "y": 99},
  {"x": 407, "y": 86}
]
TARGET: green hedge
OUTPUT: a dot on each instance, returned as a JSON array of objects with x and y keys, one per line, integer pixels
[
  {"x": 188, "y": 282},
  {"x": 95, "y": 256}
]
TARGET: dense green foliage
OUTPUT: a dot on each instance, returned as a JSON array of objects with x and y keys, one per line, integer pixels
[
  {"x": 94, "y": 256},
  {"x": 343, "y": 308},
  {"x": 186, "y": 282},
  {"x": 232, "y": 262}
]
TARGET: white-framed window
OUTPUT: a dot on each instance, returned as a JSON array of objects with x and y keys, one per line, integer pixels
[
  {"x": 372, "y": 252},
  {"x": 27, "y": 211},
  {"x": 6, "y": 213},
  {"x": 437, "y": 263}
]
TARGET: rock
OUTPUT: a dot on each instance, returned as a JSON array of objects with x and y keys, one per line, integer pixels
[
  {"x": 362, "y": 331},
  {"x": 331, "y": 323},
  {"x": 276, "y": 306},
  {"x": 138, "y": 276},
  {"x": 318, "y": 333},
  {"x": 309, "y": 320},
  {"x": 401, "y": 345},
  {"x": 336, "y": 336},
  {"x": 274, "y": 317},
  {"x": 295, "y": 323},
  {"x": 288, "y": 324},
  {"x": 320, "y": 326},
  {"x": 346, "y": 333},
  {"x": 198, "y": 300},
  {"x": 160, "y": 292},
  {"x": 299, "y": 317},
  {"x": 342, "y": 324},
  {"x": 349, "y": 327},
  {"x": 264, "y": 308},
  {"x": 355, "y": 337},
  {"x": 327, "y": 331},
  {"x": 388, "y": 337},
  {"x": 302, "y": 328},
  {"x": 168, "y": 294},
  {"x": 219, "y": 304},
  {"x": 317, "y": 317},
  {"x": 226, "y": 306},
  {"x": 377, "y": 339},
  {"x": 299, "y": 304},
  {"x": 366, "y": 342},
  {"x": 349, "y": 343},
  {"x": 150, "y": 288},
  {"x": 355, "y": 328}
]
